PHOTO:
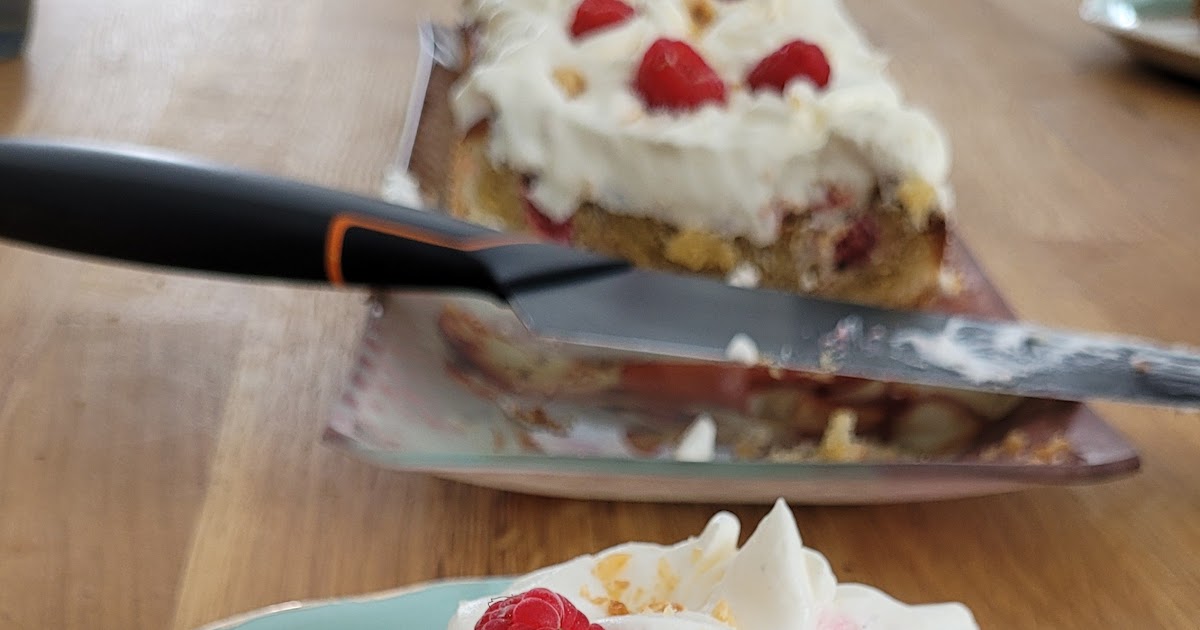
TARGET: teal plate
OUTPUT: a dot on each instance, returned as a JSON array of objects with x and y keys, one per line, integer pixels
[{"x": 426, "y": 606}]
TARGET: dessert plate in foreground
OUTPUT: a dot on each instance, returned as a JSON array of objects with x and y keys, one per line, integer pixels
[{"x": 705, "y": 582}]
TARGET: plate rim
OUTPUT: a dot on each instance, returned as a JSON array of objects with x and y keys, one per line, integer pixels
[{"x": 241, "y": 619}]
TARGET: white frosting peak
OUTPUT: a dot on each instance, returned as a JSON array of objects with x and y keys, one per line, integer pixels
[
  {"x": 773, "y": 582},
  {"x": 729, "y": 168},
  {"x": 788, "y": 580}
]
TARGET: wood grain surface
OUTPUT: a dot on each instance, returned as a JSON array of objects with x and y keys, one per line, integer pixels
[{"x": 159, "y": 456}]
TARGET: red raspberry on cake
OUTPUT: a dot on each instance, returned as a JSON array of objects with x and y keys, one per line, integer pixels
[
  {"x": 593, "y": 15},
  {"x": 855, "y": 246},
  {"x": 674, "y": 77},
  {"x": 796, "y": 58},
  {"x": 545, "y": 227},
  {"x": 537, "y": 609}
]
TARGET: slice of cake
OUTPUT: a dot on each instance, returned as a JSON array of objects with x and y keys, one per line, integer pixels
[{"x": 757, "y": 140}]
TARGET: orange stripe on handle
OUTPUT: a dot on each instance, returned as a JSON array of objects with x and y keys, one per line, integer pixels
[{"x": 341, "y": 224}]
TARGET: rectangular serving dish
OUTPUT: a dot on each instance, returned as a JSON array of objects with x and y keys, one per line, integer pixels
[{"x": 420, "y": 400}]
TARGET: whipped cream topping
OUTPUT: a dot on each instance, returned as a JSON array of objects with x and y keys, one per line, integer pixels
[
  {"x": 734, "y": 168},
  {"x": 401, "y": 188},
  {"x": 773, "y": 582}
]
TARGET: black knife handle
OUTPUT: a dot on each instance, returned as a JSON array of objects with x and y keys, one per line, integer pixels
[{"x": 154, "y": 208}]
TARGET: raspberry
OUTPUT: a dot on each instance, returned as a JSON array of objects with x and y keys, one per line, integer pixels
[
  {"x": 674, "y": 77},
  {"x": 796, "y": 58},
  {"x": 542, "y": 224},
  {"x": 538, "y": 609},
  {"x": 592, "y": 15},
  {"x": 856, "y": 244},
  {"x": 546, "y": 227}
]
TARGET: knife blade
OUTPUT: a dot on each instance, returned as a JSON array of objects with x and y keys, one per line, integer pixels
[
  {"x": 150, "y": 207},
  {"x": 633, "y": 309}
]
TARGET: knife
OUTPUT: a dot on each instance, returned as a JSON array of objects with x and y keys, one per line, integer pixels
[{"x": 151, "y": 207}]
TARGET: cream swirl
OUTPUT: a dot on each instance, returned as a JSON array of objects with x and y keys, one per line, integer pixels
[
  {"x": 729, "y": 168},
  {"x": 772, "y": 582}
]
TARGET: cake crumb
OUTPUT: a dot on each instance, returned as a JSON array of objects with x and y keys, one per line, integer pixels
[
  {"x": 1019, "y": 447},
  {"x": 607, "y": 570},
  {"x": 537, "y": 418},
  {"x": 792, "y": 455},
  {"x": 809, "y": 280},
  {"x": 570, "y": 80},
  {"x": 663, "y": 607},
  {"x": 722, "y": 613},
  {"x": 919, "y": 199},
  {"x": 1015, "y": 443},
  {"x": 617, "y": 608},
  {"x": 1056, "y": 450},
  {"x": 839, "y": 444},
  {"x": 700, "y": 251},
  {"x": 702, "y": 14}
]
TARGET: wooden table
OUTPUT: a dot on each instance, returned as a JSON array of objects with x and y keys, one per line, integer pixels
[{"x": 159, "y": 455}]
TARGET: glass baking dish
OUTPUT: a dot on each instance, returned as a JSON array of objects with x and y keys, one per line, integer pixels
[{"x": 452, "y": 384}]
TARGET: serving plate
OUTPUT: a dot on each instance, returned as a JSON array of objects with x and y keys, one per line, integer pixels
[
  {"x": 412, "y": 404},
  {"x": 428, "y": 606},
  {"x": 1161, "y": 33}
]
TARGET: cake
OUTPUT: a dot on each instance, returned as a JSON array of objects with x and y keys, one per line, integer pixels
[
  {"x": 761, "y": 413},
  {"x": 758, "y": 141},
  {"x": 703, "y": 583},
  {"x": 761, "y": 141}
]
